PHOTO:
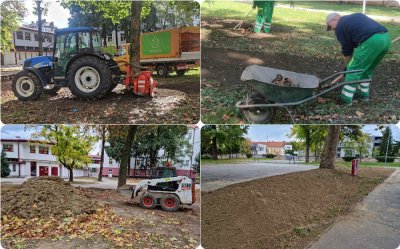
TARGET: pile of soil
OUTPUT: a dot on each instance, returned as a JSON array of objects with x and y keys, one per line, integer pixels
[
  {"x": 286, "y": 211},
  {"x": 45, "y": 197}
]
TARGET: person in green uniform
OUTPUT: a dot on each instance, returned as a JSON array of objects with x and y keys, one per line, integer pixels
[
  {"x": 364, "y": 44},
  {"x": 265, "y": 10}
]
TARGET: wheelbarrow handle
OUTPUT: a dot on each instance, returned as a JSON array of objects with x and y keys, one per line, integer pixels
[
  {"x": 245, "y": 106},
  {"x": 323, "y": 81}
]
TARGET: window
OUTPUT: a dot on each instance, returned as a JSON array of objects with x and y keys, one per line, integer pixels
[
  {"x": 14, "y": 167},
  {"x": 109, "y": 39},
  {"x": 84, "y": 40},
  {"x": 8, "y": 147},
  {"x": 96, "y": 40},
  {"x": 123, "y": 37},
  {"x": 43, "y": 150},
  {"x": 66, "y": 45},
  {"x": 32, "y": 148},
  {"x": 110, "y": 161},
  {"x": 50, "y": 38},
  {"x": 19, "y": 35},
  {"x": 36, "y": 37},
  {"x": 27, "y": 36}
]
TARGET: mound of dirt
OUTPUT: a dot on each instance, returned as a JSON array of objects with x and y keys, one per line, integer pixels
[{"x": 43, "y": 197}]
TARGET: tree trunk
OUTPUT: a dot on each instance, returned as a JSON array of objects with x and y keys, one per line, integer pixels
[
  {"x": 308, "y": 144},
  {"x": 330, "y": 147},
  {"x": 126, "y": 155},
  {"x": 71, "y": 174},
  {"x": 39, "y": 11},
  {"x": 116, "y": 36},
  {"x": 136, "y": 11},
  {"x": 103, "y": 141},
  {"x": 153, "y": 158}
]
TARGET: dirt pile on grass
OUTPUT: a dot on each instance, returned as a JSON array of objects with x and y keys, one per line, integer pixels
[
  {"x": 287, "y": 211},
  {"x": 44, "y": 197}
]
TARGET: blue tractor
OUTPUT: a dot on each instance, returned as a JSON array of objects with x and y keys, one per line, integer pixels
[{"x": 77, "y": 63}]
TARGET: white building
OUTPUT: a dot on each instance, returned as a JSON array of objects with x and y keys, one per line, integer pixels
[
  {"x": 26, "y": 43},
  {"x": 184, "y": 166},
  {"x": 34, "y": 158}
]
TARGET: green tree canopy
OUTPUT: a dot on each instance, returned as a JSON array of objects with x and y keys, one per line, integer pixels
[
  {"x": 12, "y": 13},
  {"x": 72, "y": 145},
  {"x": 5, "y": 168}
]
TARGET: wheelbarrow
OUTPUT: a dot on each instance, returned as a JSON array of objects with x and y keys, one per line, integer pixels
[{"x": 259, "y": 106}]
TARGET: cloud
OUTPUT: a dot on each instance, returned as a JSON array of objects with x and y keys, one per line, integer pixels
[{"x": 56, "y": 14}]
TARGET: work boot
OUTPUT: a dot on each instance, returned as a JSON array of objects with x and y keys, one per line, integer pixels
[
  {"x": 342, "y": 100},
  {"x": 361, "y": 97}
]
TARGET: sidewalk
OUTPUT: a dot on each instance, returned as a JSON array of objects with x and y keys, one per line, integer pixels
[{"x": 374, "y": 224}]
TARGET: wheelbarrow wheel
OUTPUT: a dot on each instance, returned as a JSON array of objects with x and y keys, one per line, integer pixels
[{"x": 258, "y": 115}]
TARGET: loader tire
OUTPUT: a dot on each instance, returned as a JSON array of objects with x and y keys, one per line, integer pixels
[
  {"x": 170, "y": 203},
  {"x": 148, "y": 201},
  {"x": 162, "y": 70},
  {"x": 89, "y": 78},
  {"x": 27, "y": 86}
]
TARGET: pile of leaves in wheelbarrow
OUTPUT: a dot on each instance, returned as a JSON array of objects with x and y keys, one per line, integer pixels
[{"x": 46, "y": 197}]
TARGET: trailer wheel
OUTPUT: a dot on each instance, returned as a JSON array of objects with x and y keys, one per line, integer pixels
[
  {"x": 27, "y": 86},
  {"x": 180, "y": 72},
  {"x": 258, "y": 115},
  {"x": 162, "y": 70},
  {"x": 170, "y": 203},
  {"x": 89, "y": 78},
  {"x": 148, "y": 201}
]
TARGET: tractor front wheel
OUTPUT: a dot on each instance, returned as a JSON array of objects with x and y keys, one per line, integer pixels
[
  {"x": 27, "y": 86},
  {"x": 170, "y": 203},
  {"x": 148, "y": 201},
  {"x": 89, "y": 78}
]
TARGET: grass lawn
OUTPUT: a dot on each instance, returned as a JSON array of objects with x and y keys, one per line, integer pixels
[
  {"x": 231, "y": 161},
  {"x": 297, "y": 42},
  {"x": 363, "y": 164},
  {"x": 369, "y": 10}
]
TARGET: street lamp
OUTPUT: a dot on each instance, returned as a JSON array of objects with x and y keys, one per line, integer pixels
[{"x": 18, "y": 162}]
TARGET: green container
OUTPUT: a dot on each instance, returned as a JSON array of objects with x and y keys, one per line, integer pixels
[{"x": 156, "y": 43}]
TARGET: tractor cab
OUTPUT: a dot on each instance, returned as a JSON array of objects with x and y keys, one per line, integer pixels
[
  {"x": 162, "y": 172},
  {"x": 72, "y": 43}
]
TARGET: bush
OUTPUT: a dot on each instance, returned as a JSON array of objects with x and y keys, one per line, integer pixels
[
  {"x": 109, "y": 50},
  {"x": 270, "y": 155},
  {"x": 382, "y": 159},
  {"x": 249, "y": 155},
  {"x": 348, "y": 158}
]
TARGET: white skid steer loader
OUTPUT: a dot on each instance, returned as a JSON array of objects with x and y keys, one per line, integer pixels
[{"x": 165, "y": 188}]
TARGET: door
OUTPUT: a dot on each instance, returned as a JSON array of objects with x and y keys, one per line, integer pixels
[
  {"x": 54, "y": 171},
  {"x": 33, "y": 169},
  {"x": 43, "y": 171}
]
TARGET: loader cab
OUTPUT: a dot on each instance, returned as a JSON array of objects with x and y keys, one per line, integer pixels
[
  {"x": 162, "y": 172},
  {"x": 71, "y": 43}
]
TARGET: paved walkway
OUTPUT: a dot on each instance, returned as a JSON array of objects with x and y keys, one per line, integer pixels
[
  {"x": 374, "y": 224},
  {"x": 218, "y": 176}
]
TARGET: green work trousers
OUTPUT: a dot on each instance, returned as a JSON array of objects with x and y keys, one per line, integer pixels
[
  {"x": 366, "y": 57},
  {"x": 265, "y": 10}
]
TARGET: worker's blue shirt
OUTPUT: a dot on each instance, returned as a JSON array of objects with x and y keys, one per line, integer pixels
[{"x": 353, "y": 29}]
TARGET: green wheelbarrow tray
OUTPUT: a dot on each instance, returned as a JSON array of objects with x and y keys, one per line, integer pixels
[{"x": 305, "y": 87}]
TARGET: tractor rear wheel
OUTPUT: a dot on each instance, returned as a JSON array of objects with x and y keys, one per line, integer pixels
[
  {"x": 148, "y": 201},
  {"x": 258, "y": 115},
  {"x": 89, "y": 78},
  {"x": 170, "y": 203},
  {"x": 27, "y": 86}
]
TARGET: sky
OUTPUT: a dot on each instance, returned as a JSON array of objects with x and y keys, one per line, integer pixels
[
  {"x": 56, "y": 14},
  {"x": 263, "y": 133}
]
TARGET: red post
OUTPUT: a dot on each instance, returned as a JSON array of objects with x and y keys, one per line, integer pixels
[{"x": 354, "y": 167}]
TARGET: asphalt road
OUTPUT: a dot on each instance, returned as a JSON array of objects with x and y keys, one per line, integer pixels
[
  {"x": 374, "y": 224},
  {"x": 218, "y": 176}
]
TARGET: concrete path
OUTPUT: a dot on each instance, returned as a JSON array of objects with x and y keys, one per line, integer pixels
[
  {"x": 374, "y": 224},
  {"x": 218, "y": 176}
]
